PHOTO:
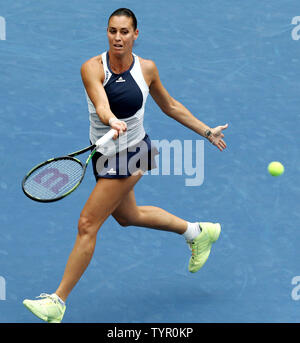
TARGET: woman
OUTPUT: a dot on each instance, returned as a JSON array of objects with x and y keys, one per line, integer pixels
[{"x": 117, "y": 84}]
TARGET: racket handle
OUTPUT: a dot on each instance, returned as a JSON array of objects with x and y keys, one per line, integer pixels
[{"x": 106, "y": 138}]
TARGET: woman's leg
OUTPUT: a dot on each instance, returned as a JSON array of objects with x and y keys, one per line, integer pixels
[
  {"x": 104, "y": 199},
  {"x": 199, "y": 238},
  {"x": 128, "y": 213}
]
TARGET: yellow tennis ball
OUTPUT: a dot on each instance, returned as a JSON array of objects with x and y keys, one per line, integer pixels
[{"x": 275, "y": 168}]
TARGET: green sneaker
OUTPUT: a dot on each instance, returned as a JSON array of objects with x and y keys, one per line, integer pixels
[
  {"x": 49, "y": 308},
  {"x": 201, "y": 245}
]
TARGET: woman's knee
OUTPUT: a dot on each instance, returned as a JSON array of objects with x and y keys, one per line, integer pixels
[{"x": 87, "y": 226}]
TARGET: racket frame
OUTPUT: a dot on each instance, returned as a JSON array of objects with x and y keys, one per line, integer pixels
[
  {"x": 67, "y": 157},
  {"x": 100, "y": 142}
]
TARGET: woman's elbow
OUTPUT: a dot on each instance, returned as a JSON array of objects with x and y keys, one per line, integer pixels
[{"x": 170, "y": 107}]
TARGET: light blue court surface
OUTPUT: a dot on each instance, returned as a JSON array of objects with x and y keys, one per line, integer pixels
[{"x": 227, "y": 61}]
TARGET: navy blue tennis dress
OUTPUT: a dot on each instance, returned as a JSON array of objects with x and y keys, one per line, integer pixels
[{"x": 133, "y": 151}]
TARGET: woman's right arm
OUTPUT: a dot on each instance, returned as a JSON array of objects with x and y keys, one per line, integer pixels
[{"x": 92, "y": 77}]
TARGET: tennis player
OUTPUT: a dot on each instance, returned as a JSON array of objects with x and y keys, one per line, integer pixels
[{"x": 117, "y": 83}]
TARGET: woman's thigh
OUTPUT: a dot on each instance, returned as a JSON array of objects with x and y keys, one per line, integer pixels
[
  {"x": 127, "y": 211},
  {"x": 105, "y": 198}
]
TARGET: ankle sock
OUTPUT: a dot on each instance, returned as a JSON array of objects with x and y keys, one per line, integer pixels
[{"x": 192, "y": 231}]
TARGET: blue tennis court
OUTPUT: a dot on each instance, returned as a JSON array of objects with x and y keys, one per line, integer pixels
[{"x": 227, "y": 62}]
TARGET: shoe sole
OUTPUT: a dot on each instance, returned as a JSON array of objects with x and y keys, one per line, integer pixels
[
  {"x": 40, "y": 316},
  {"x": 28, "y": 306}
]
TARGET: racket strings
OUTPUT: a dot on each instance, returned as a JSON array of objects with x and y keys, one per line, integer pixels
[{"x": 55, "y": 179}]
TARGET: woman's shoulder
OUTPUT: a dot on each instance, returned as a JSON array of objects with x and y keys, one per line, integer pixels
[
  {"x": 93, "y": 61},
  {"x": 93, "y": 65},
  {"x": 148, "y": 66}
]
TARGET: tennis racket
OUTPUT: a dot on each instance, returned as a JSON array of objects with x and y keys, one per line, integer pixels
[{"x": 58, "y": 177}]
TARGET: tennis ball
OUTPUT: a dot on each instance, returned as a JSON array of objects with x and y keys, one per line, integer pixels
[{"x": 275, "y": 168}]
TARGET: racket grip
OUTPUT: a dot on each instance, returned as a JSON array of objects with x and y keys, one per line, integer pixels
[{"x": 106, "y": 138}]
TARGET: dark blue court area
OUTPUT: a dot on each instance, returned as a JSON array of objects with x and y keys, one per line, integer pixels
[{"x": 235, "y": 62}]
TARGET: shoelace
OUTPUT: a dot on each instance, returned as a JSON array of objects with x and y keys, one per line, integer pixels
[
  {"x": 49, "y": 296},
  {"x": 193, "y": 247}
]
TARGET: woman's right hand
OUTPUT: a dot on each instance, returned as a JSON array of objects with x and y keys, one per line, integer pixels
[{"x": 119, "y": 125}]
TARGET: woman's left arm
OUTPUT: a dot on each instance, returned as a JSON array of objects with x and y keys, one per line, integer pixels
[{"x": 180, "y": 113}]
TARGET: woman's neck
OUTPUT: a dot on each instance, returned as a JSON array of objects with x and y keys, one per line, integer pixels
[{"x": 119, "y": 64}]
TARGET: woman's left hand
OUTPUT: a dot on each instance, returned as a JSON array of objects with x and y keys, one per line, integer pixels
[{"x": 216, "y": 137}]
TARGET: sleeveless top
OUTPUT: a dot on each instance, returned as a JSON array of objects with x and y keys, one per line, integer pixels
[{"x": 127, "y": 94}]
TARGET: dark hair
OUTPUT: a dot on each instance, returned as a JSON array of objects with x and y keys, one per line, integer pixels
[{"x": 126, "y": 12}]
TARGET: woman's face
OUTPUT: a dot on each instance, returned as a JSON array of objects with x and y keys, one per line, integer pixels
[{"x": 121, "y": 35}]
